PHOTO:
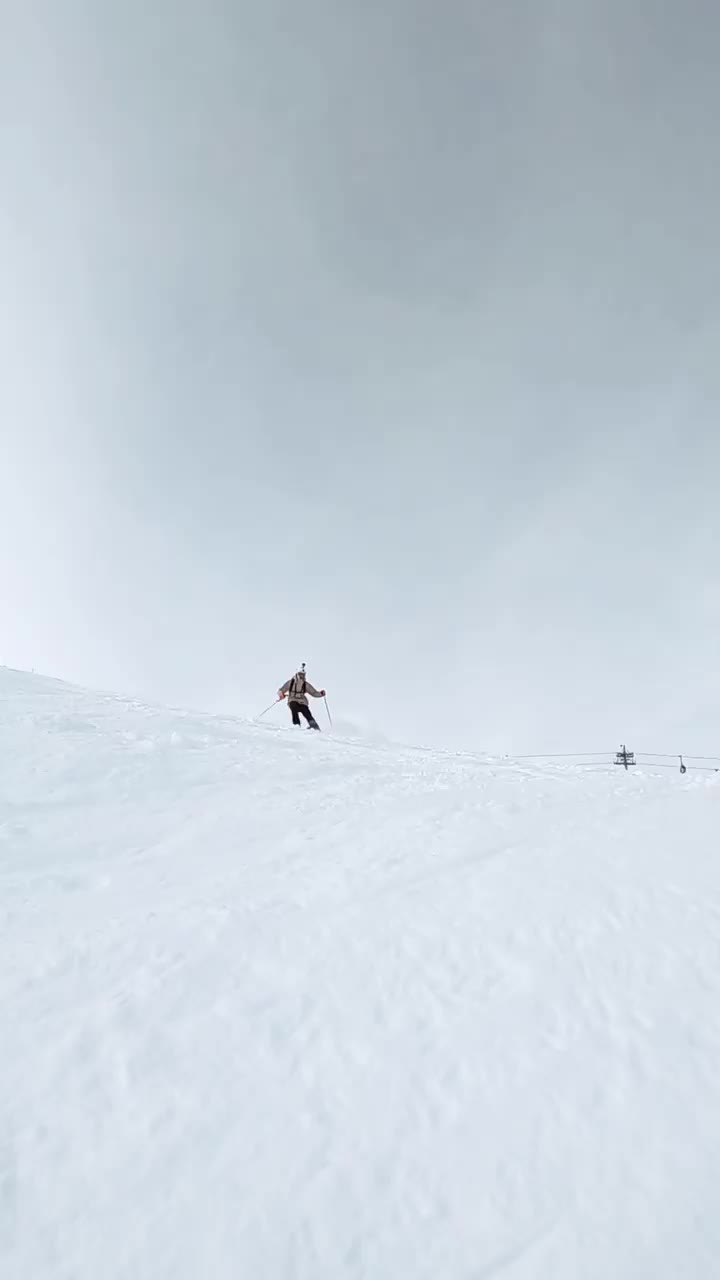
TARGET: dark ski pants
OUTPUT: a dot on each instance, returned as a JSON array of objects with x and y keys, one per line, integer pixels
[{"x": 298, "y": 709}]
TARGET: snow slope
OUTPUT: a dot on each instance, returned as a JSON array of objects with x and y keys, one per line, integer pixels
[{"x": 281, "y": 1007}]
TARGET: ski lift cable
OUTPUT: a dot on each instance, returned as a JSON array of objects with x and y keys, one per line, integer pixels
[
  {"x": 577, "y": 755},
  {"x": 561, "y": 755},
  {"x": 673, "y": 755}
]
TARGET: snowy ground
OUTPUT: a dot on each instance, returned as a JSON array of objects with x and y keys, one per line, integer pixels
[{"x": 281, "y": 1007}]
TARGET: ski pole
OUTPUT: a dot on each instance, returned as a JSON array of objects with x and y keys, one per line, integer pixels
[
  {"x": 328, "y": 712},
  {"x": 272, "y": 704}
]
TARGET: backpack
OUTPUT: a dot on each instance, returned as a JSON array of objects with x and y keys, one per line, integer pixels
[{"x": 297, "y": 688}]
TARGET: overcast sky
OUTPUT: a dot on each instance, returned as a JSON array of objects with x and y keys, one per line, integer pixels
[{"x": 381, "y": 335}]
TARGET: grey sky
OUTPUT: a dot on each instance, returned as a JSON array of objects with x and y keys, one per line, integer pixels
[{"x": 383, "y": 336}]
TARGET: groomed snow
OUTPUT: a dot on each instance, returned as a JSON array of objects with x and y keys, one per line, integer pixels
[{"x": 277, "y": 1006}]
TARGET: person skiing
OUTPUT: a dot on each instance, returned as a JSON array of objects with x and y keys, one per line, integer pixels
[{"x": 296, "y": 690}]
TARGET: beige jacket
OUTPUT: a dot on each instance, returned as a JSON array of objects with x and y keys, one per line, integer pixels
[{"x": 297, "y": 688}]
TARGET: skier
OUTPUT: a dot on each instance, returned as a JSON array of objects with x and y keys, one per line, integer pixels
[{"x": 296, "y": 690}]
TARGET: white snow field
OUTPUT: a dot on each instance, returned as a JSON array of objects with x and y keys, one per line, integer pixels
[{"x": 276, "y": 1006}]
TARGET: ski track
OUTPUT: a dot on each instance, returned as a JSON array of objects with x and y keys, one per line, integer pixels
[{"x": 279, "y": 1005}]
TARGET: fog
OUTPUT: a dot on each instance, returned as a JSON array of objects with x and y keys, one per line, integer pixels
[{"x": 382, "y": 337}]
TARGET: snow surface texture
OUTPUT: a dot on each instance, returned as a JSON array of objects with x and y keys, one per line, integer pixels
[{"x": 282, "y": 1007}]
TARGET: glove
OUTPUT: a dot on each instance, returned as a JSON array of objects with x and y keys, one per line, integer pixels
[
  {"x": 322, "y": 693},
  {"x": 281, "y": 695}
]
